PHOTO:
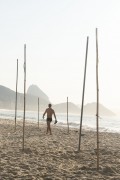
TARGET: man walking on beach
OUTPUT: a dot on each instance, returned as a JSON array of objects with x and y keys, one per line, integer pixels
[{"x": 49, "y": 112}]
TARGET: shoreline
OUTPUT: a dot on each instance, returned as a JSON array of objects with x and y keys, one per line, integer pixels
[
  {"x": 63, "y": 125},
  {"x": 56, "y": 156}
]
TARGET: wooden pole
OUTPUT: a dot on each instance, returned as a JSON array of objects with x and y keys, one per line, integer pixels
[
  {"x": 24, "y": 94},
  {"x": 38, "y": 112},
  {"x": 97, "y": 105},
  {"x": 67, "y": 116},
  {"x": 16, "y": 95},
  {"x": 80, "y": 131}
]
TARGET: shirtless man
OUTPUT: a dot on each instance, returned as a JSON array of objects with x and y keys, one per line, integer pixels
[{"x": 49, "y": 112}]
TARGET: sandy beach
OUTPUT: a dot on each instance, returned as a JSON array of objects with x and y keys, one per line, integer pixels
[{"x": 56, "y": 156}]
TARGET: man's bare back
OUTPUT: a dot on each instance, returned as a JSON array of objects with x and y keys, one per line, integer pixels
[{"x": 50, "y": 112}]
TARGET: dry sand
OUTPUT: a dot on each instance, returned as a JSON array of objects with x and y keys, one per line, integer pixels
[{"x": 55, "y": 156}]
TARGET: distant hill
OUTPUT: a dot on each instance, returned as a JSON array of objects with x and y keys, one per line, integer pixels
[
  {"x": 90, "y": 109},
  {"x": 36, "y": 91},
  {"x": 62, "y": 108},
  {"x": 7, "y": 100}
]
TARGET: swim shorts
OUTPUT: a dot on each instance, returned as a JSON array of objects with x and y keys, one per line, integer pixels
[{"x": 49, "y": 119}]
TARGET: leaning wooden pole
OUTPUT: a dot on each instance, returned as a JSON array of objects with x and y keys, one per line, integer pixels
[
  {"x": 16, "y": 95},
  {"x": 81, "y": 117},
  {"x": 67, "y": 115},
  {"x": 38, "y": 112},
  {"x": 97, "y": 104},
  {"x": 24, "y": 94}
]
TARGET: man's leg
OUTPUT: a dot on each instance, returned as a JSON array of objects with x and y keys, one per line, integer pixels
[{"x": 49, "y": 128}]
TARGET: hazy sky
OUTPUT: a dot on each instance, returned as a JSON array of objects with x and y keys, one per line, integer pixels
[{"x": 55, "y": 33}]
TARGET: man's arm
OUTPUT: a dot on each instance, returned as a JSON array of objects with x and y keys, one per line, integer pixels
[
  {"x": 44, "y": 113},
  {"x": 54, "y": 114},
  {"x": 55, "y": 117}
]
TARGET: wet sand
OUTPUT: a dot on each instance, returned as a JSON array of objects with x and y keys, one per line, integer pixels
[{"x": 56, "y": 156}]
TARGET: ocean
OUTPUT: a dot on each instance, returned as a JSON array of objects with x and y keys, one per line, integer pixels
[{"x": 106, "y": 124}]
